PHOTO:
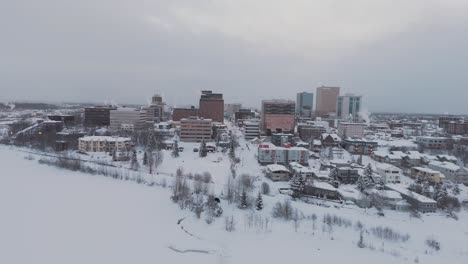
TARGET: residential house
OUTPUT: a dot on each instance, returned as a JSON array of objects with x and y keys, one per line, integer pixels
[{"x": 277, "y": 172}]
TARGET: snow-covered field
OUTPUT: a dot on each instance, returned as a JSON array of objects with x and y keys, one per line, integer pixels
[{"x": 49, "y": 215}]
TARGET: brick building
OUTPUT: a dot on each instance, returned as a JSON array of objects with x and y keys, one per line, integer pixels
[
  {"x": 211, "y": 106},
  {"x": 278, "y": 116}
]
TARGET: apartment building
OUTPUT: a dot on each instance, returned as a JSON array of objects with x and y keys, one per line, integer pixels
[
  {"x": 104, "y": 144},
  {"x": 389, "y": 173},
  {"x": 434, "y": 142},
  {"x": 271, "y": 154},
  {"x": 451, "y": 171},
  {"x": 428, "y": 174}
]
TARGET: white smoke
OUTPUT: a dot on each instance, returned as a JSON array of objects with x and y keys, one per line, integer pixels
[{"x": 365, "y": 115}]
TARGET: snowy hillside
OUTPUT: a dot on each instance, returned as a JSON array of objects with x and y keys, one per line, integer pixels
[{"x": 54, "y": 216}]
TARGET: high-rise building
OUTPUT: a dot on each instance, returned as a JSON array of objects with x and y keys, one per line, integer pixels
[
  {"x": 128, "y": 119},
  {"x": 155, "y": 111},
  {"x": 348, "y": 107},
  {"x": 231, "y": 109},
  {"x": 278, "y": 116},
  {"x": 304, "y": 104},
  {"x": 211, "y": 106},
  {"x": 326, "y": 100},
  {"x": 98, "y": 116},
  {"x": 184, "y": 112}
]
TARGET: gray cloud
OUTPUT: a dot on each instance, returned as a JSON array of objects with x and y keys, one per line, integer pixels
[{"x": 402, "y": 56}]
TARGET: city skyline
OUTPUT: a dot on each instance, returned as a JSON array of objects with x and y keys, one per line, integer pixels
[{"x": 402, "y": 57}]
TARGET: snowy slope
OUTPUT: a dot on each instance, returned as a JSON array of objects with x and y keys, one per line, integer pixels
[{"x": 53, "y": 216}]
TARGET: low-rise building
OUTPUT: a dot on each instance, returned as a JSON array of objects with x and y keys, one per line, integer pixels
[
  {"x": 195, "y": 129},
  {"x": 330, "y": 140},
  {"x": 433, "y": 176},
  {"x": 389, "y": 173},
  {"x": 434, "y": 142},
  {"x": 417, "y": 201},
  {"x": 321, "y": 189},
  {"x": 451, "y": 171},
  {"x": 271, "y": 154},
  {"x": 278, "y": 172},
  {"x": 303, "y": 171},
  {"x": 347, "y": 175},
  {"x": 104, "y": 144},
  {"x": 359, "y": 146},
  {"x": 281, "y": 139}
]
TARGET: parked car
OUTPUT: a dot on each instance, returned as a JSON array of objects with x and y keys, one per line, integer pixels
[
  {"x": 195, "y": 150},
  {"x": 181, "y": 149}
]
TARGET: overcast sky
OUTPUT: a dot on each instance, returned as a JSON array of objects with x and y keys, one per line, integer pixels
[{"x": 402, "y": 55}]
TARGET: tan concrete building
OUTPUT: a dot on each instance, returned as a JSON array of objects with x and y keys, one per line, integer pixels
[
  {"x": 104, "y": 144},
  {"x": 128, "y": 119},
  {"x": 351, "y": 130},
  {"x": 326, "y": 100},
  {"x": 195, "y": 129}
]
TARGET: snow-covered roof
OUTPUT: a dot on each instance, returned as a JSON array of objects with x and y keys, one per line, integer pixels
[
  {"x": 386, "y": 166},
  {"x": 105, "y": 138},
  {"x": 394, "y": 195},
  {"x": 323, "y": 186},
  {"x": 447, "y": 157},
  {"x": 407, "y": 192},
  {"x": 426, "y": 170},
  {"x": 276, "y": 167},
  {"x": 445, "y": 165},
  {"x": 334, "y": 136}
]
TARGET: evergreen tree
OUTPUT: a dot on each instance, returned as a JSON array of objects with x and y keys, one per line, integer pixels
[
  {"x": 330, "y": 153},
  {"x": 368, "y": 172},
  {"x": 359, "y": 160},
  {"x": 243, "y": 201},
  {"x": 426, "y": 190},
  {"x": 297, "y": 185},
  {"x": 334, "y": 174},
  {"x": 150, "y": 161},
  {"x": 134, "y": 161},
  {"x": 361, "y": 241},
  {"x": 114, "y": 155},
  {"x": 175, "y": 150},
  {"x": 365, "y": 180},
  {"x": 145, "y": 158},
  {"x": 259, "y": 203},
  {"x": 380, "y": 184},
  {"x": 440, "y": 194},
  {"x": 203, "y": 152},
  {"x": 456, "y": 190},
  {"x": 232, "y": 152}
]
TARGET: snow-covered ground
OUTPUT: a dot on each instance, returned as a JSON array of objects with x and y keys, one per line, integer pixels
[{"x": 53, "y": 216}]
